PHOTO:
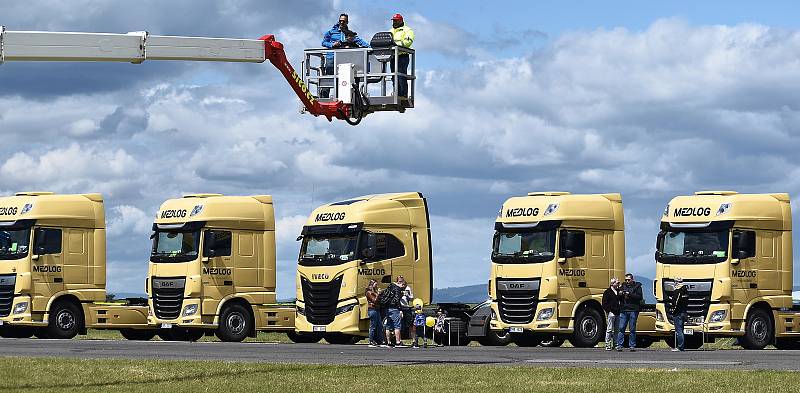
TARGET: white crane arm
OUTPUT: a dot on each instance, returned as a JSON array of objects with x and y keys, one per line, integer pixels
[{"x": 134, "y": 47}]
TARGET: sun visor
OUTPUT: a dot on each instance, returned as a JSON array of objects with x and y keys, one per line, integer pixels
[
  {"x": 16, "y": 225},
  {"x": 332, "y": 229},
  {"x": 190, "y": 226},
  {"x": 709, "y": 226},
  {"x": 538, "y": 226}
]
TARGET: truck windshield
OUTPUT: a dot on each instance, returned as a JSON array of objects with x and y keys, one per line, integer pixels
[
  {"x": 322, "y": 249},
  {"x": 14, "y": 243},
  {"x": 692, "y": 247},
  {"x": 174, "y": 246},
  {"x": 524, "y": 247}
]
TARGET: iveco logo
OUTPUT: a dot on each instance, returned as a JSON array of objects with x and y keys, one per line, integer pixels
[
  {"x": 180, "y": 213},
  {"x": 330, "y": 217},
  {"x": 522, "y": 212},
  {"x": 320, "y": 276},
  {"x": 692, "y": 212}
]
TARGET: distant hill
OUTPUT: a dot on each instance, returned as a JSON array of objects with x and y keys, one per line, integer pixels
[{"x": 468, "y": 294}]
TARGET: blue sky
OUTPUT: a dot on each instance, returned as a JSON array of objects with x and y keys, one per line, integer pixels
[{"x": 648, "y": 99}]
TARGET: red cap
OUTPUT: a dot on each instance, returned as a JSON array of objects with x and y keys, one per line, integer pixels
[{"x": 397, "y": 17}]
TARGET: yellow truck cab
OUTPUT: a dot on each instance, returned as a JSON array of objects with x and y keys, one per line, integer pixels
[
  {"x": 53, "y": 268},
  {"x": 553, "y": 255},
  {"x": 347, "y": 243},
  {"x": 734, "y": 254},
  {"x": 212, "y": 268}
]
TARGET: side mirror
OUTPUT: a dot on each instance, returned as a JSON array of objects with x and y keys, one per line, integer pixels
[
  {"x": 39, "y": 241},
  {"x": 744, "y": 244},
  {"x": 572, "y": 244},
  {"x": 370, "y": 250},
  {"x": 210, "y": 244}
]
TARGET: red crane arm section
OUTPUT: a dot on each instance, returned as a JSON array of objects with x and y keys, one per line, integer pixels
[{"x": 274, "y": 52}]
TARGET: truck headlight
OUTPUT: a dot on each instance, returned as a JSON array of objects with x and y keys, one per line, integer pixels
[
  {"x": 189, "y": 310},
  {"x": 344, "y": 309},
  {"x": 659, "y": 316},
  {"x": 20, "y": 308},
  {"x": 718, "y": 316},
  {"x": 545, "y": 314}
]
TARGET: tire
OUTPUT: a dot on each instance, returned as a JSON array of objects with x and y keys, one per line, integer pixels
[
  {"x": 526, "y": 340},
  {"x": 341, "y": 339},
  {"x": 495, "y": 338},
  {"x": 137, "y": 334},
  {"x": 235, "y": 323},
  {"x": 787, "y": 343},
  {"x": 589, "y": 328},
  {"x": 759, "y": 330},
  {"x": 16, "y": 332},
  {"x": 553, "y": 342},
  {"x": 304, "y": 338},
  {"x": 65, "y": 320}
]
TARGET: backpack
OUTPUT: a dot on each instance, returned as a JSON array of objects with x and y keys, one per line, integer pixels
[{"x": 389, "y": 297}]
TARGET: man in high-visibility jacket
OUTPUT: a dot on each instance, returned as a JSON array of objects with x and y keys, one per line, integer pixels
[{"x": 403, "y": 36}]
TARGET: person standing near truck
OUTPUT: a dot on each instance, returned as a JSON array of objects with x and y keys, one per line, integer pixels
[
  {"x": 612, "y": 305},
  {"x": 631, "y": 301},
  {"x": 679, "y": 303},
  {"x": 389, "y": 299},
  {"x": 375, "y": 325},
  {"x": 406, "y": 301}
]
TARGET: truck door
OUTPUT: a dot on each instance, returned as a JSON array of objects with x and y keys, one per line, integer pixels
[
  {"x": 76, "y": 257},
  {"x": 388, "y": 250},
  {"x": 744, "y": 274},
  {"x": 47, "y": 267},
  {"x": 572, "y": 269},
  {"x": 217, "y": 270}
]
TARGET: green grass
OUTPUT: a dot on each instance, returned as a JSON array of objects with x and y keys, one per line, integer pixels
[{"x": 132, "y": 376}]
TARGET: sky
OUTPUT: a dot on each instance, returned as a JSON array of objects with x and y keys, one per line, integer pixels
[{"x": 649, "y": 100}]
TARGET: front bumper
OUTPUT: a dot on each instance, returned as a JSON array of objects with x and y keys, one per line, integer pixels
[
  {"x": 348, "y": 322},
  {"x": 549, "y": 325},
  {"x": 194, "y": 321},
  {"x": 721, "y": 328}
]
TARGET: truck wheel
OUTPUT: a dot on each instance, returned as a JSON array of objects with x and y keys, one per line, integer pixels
[
  {"x": 16, "y": 332},
  {"x": 341, "y": 339},
  {"x": 304, "y": 338},
  {"x": 137, "y": 334},
  {"x": 65, "y": 321},
  {"x": 235, "y": 323},
  {"x": 495, "y": 338},
  {"x": 589, "y": 327},
  {"x": 553, "y": 342},
  {"x": 758, "y": 332},
  {"x": 526, "y": 340}
]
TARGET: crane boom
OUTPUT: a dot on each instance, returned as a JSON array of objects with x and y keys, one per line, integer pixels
[{"x": 138, "y": 47}]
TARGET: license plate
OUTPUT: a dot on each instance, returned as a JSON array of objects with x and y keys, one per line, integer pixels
[
  {"x": 318, "y": 328},
  {"x": 515, "y": 330},
  {"x": 166, "y": 326},
  {"x": 688, "y": 332}
]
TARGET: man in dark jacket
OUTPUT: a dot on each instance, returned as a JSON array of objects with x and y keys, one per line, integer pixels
[
  {"x": 679, "y": 303},
  {"x": 631, "y": 301},
  {"x": 612, "y": 298},
  {"x": 339, "y": 37}
]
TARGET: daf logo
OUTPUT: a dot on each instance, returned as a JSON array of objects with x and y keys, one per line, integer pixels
[
  {"x": 320, "y": 276},
  {"x": 516, "y": 286},
  {"x": 522, "y": 212},
  {"x": 197, "y": 210},
  {"x": 329, "y": 217},
  {"x": 179, "y": 213},
  {"x": 692, "y": 212}
]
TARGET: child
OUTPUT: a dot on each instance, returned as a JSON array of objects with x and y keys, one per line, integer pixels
[{"x": 419, "y": 324}]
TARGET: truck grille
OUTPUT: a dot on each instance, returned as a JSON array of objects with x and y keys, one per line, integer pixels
[
  {"x": 320, "y": 300},
  {"x": 517, "y": 305},
  {"x": 7, "y": 282},
  {"x": 168, "y": 297},
  {"x": 699, "y": 297}
]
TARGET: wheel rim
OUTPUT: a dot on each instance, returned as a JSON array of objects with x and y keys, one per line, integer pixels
[
  {"x": 588, "y": 327},
  {"x": 236, "y": 323},
  {"x": 759, "y": 329},
  {"x": 65, "y": 320}
]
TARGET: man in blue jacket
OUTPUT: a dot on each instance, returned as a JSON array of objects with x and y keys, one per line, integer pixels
[{"x": 339, "y": 37}]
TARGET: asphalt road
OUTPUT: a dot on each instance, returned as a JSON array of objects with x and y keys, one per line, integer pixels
[{"x": 361, "y": 354}]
